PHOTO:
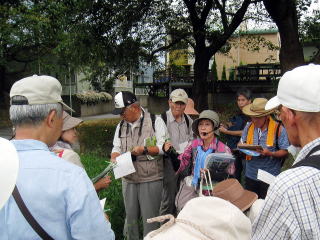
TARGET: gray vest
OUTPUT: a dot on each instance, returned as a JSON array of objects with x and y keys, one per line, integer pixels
[{"x": 146, "y": 170}]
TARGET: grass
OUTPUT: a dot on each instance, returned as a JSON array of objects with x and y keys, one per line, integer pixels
[{"x": 94, "y": 164}]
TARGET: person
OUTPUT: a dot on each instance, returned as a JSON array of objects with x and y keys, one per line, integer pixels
[
  {"x": 292, "y": 206},
  {"x": 180, "y": 133},
  {"x": 9, "y": 166},
  {"x": 63, "y": 147},
  {"x": 142, "y": 189},
  {"x": 233, "y": 130},
  {"x": 190, "y": 163},
  {"x": 266, "y": 132},
  {"x": 206, "y": 218},
  {"x": 59, "y": 195}
]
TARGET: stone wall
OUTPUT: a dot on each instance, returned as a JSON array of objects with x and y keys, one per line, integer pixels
[{"x": 96, "y": 109}]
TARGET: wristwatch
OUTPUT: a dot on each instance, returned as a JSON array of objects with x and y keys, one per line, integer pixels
[{"x": 145, "y": 150}]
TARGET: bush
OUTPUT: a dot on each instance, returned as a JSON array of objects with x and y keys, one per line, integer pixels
[
  {"x": 92, "y": 97},
  {"x": 114, "y": 207},
  {"x": 97, "y": 136}
]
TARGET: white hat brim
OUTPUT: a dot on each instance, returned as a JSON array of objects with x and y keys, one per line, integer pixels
[
  {"x": 9, "y": 165},
  {"x": 272, "y": 103}
]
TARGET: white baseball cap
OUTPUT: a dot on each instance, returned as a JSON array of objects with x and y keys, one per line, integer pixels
[
  {"x": 9, "y": 165},
  {"x": 38, "y": 90},
  {"x": 299, "y": 89}
]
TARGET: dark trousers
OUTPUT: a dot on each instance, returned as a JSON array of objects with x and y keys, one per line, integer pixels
[
  {"x": 258, "y": 187},
  {"x": 240, "y": 165}
]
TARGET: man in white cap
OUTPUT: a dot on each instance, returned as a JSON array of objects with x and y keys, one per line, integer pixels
[
  {"x": 292, "y": 205},
  {"x": 54, "y": 199},
  {"x": 142, "y": 189},
  {"x": 180, "y": 132}
]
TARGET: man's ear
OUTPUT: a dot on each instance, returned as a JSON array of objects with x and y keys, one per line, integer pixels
[
  {"x": 51, "y": 118},
  {"x": 289, "y": 116}
]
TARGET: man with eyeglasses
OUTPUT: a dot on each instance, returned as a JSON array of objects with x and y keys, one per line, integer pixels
[
  {"x": 180, "y": 132},
  {"x": 292, "y": 205},
  {"x": 142, "y": 189}
]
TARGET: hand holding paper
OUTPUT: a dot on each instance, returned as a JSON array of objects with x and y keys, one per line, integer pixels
[{"x": 124, "y": 166}]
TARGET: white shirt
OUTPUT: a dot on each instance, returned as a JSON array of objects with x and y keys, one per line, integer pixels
[
  {"x": 292, "y": 205},
  {"x": 161, "y": 134}
]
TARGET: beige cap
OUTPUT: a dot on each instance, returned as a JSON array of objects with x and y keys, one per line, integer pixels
[
  {"x": 39, "y": 90},
  {"x": 179, "y": 95},
  {"x": 70, "y": 122}
]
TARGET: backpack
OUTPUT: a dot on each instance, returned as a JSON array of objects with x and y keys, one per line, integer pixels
[
  {"x": 310, "y": 161},
  {"x": 164, "y": 118}
]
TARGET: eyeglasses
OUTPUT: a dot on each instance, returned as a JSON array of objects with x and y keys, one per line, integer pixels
[{"x": 277, "y": 113}]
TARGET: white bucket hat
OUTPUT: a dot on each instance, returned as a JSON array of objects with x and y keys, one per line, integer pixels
[
  {"x": 298, "y": 90},
  {"x": 204, "y": 218},
  {"x": 9, "y": 165}
]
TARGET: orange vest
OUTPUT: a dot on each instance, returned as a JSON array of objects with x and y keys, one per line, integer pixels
[{"x": 272, "y": 128}]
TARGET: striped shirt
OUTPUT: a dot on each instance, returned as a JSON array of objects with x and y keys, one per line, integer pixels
[{"x": 292, "y": 206}]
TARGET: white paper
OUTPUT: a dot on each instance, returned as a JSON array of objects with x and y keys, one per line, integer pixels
[
  {"x": 265, "y": 177},
  {"x": 124, "y": 166},
  {"x": 102, "y": 203},
  {"x": 182, "y": 146}
]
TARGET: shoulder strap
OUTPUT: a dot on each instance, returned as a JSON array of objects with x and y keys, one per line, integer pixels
[
  {"x": 153, "y": 120},
  {"x": 310, "y": 161},
  {"x": 28, "y": 216},
  {"x": 186, "y": 119},
  {"x": 164, "y": 117},
  {"x": 120, "y": 128}
]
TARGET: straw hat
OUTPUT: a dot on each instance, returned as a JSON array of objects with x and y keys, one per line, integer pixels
[
  {"x": 257, "y": 108},
  {"x": 207, "y": 114},
  {"x": 232, "y": 191},
  {"x": 9, "y": 165},
  {"x": 190, "y": 108},
  {"x": 204, "y": 218},
  {"x": 70, "y": 122}
]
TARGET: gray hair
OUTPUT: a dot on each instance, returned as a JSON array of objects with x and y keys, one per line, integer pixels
[{"x": 31, "y": 114}]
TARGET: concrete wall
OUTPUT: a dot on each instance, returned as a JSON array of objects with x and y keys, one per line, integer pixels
[
  {"x": 96, "y": 109},
  {"x": 241, "y": 52}
]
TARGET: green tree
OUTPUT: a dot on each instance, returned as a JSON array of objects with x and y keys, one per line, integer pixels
[
  {"x": 224, "y": 74},
  {"x": 231, "y": 74},
  {"x": 214, "y": 71},
  {"x": 285, "y": 15}
]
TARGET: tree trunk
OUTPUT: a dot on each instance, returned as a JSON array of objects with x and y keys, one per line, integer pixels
[
  {"x": 284, "y": 14},
  {"x": 2, "y": 83},
  {"x": 200, "y": 84}
]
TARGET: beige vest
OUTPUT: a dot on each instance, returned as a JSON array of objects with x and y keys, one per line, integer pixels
[{"x": 146, "y": 170}]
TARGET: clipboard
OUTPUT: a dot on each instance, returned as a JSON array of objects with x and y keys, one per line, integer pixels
[{"x": 250, "y": 147}]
